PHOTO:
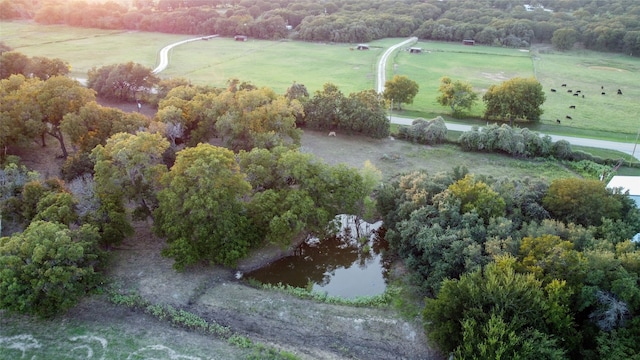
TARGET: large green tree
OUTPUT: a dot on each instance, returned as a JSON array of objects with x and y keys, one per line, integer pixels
[
  {"x": 456, "y": 94},
  {"x": 47, "y": 268},
  {"x": 201, "y": 210},
  {"x": 125, "y": 82},
  {"x": 515, "y": 99},
  {"x": 400, "y": 89}
]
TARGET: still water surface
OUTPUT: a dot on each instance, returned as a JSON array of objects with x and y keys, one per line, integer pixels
[{"x": 349, "y": 264}]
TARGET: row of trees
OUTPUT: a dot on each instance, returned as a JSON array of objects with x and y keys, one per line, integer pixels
[
  {"x": 519, "y": 267},
  {"x": 614, "y": 27},
  {"x": 516, "y": 99}
]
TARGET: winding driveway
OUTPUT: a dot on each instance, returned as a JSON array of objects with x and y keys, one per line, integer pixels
[
  {"x": 164, "y": 52},
  {"x": 382, "y": 63}
]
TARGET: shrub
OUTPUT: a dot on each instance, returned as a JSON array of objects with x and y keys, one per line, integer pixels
[{"x": 47, "y": 268}]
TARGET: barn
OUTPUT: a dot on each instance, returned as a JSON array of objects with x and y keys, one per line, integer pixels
[
  {"x": 632, "y": 185},
  {"x": 240, "y": 38},
  {"x": 362, "y": 47},
  {"x": 415, "y": 50},
  {"x": 468, "y": 42}
]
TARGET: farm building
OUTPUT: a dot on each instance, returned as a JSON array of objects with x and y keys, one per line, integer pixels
[
  {"x": 362, "y": 47},
  {"x": 240, "y": 38},
  {"x": 415, "y": 50},
  {"x": 632, "y": 185},
  {"x": 468, "y": 42}
]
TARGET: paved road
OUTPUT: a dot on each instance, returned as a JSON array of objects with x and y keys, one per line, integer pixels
[
  {"x": 602, "y": 144},
  {"x": 382, "y": 63},
  {"x": 164, "y": 52}
]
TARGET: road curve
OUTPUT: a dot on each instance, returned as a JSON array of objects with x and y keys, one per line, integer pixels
[
  {"x": 627, "y": 148},
  {"x": 164, "y": 52},
  {"x": 382, "y": 64}
]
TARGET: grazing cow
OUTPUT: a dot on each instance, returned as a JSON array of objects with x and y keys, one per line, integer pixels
[
  {"x": 619, "y": 92},
  {"x": 583, "y": 96},
  {"x": 604, "y": 93},
  {"x": 553, "y": 90},
  {"x": 569, "y": 91},
  {"x": 568, "y": 117},
  {"x": 332, "y": 133},
  {"x": 576, "y": 94},
  {"x": 578, "y": 91},
  {"x": 572, "y": 107},
  {"x": 564, "y": 85},
  {"x": 558, "y": 121},
  {"x": 601, "y": 87}
]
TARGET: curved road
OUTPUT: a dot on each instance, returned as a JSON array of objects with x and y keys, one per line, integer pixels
[
  {"x": 382, "y": 64},
  {"x": 164, "y": 52}
]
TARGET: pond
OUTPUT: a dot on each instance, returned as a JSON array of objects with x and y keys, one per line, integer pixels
[{"x": 348, "y": 264}]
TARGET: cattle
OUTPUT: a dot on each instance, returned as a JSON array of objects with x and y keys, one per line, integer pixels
[
  {"x": 576, "y": 94},
  {"x": 568, "y": 117},
  {"x": 572, "y": 107},
  {"x": 569, "y": 91},
  {"x": 564, "y": 85},
  {"x": 604, "y": 93},
  {"x": 558, "y": 121},
  {"x": 601, "y": 87},
  {"x": 553, "y": 90},
  {"x": 583, "y": 96},
  {"x": 578, "y": 91},
  {"x": 332, "y": 133},
  {"x": 619, "y": 92}
]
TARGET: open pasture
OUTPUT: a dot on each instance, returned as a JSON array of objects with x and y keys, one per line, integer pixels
[{"x": 277, "y": 64}]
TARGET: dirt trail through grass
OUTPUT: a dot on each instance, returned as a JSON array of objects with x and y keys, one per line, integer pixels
[{"x": 310, "y": 329}]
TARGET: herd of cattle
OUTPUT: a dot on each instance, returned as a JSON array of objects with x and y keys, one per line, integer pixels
[{"x": 579, "y": 93}]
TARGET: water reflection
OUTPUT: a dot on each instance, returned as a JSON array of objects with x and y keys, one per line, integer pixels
[{"x": 349, "y": 264}]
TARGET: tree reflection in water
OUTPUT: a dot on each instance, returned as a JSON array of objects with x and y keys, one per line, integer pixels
[{"x": 348, "y": 264}]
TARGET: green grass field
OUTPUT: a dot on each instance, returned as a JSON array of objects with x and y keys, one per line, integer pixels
[{"x": 277, "y": 64}]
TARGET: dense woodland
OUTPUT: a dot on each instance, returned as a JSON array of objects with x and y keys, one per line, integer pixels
[{"x": 603, "y": 25}]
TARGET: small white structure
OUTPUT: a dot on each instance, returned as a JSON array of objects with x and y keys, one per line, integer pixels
[{"x": 630, "y": 184}]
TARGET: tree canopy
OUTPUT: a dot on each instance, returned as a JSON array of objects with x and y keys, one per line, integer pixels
[
  {"x": 400, "y": 89},
  {"x": 457, "y": 95},
  {"x": 515, "y": 99}
]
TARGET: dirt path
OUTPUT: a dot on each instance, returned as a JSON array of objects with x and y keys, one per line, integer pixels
[{"x": 310, "y": 329}]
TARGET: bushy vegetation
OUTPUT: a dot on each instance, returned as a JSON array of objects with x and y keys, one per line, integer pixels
[
  {"x": 487, "y": 251},
  {"x": 423, "y": 131}
]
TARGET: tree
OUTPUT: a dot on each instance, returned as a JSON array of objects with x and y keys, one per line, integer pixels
[
  {"x": 514, "y": 99},
  {"x": 44, "y": 68},
  {"x": 93, "y": 124},
  {"x": 564, "y": 39},
  {"x": 497, "y": 299},
  {"x": 58, "y": 97},
  {"x": 582, "y": 201},
  {"x": 47, "y": 268},
  {"x": 400, "y": 90},
  {"x": 125, "y": 82},
  {"x": 477, "y": 196},
  {"x": 130, "y": 166},
  {"x": 200, "y": 210},
  {"x": 456, "y": 94}
]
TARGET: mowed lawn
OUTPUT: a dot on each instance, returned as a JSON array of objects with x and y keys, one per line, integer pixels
[{"x": 277, "y": 64}]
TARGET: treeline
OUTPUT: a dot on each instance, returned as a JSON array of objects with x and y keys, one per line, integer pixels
[
  {"x": 519, "y": 268},
  {"x": 611, "y": 26}
]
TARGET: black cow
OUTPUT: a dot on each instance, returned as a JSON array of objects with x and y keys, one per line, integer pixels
[
  {"x": 619, "y": 92},
  {"x": 568, "y": 117},
  {"x": 576, "y": 94},
  {"x": 572, "y": 107},
  {"x": 564, "y": 85},
  {"x": 553, "y": 90},
  {"x": 604, "y": 93},
  {"x": 558, "y": 121}
]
